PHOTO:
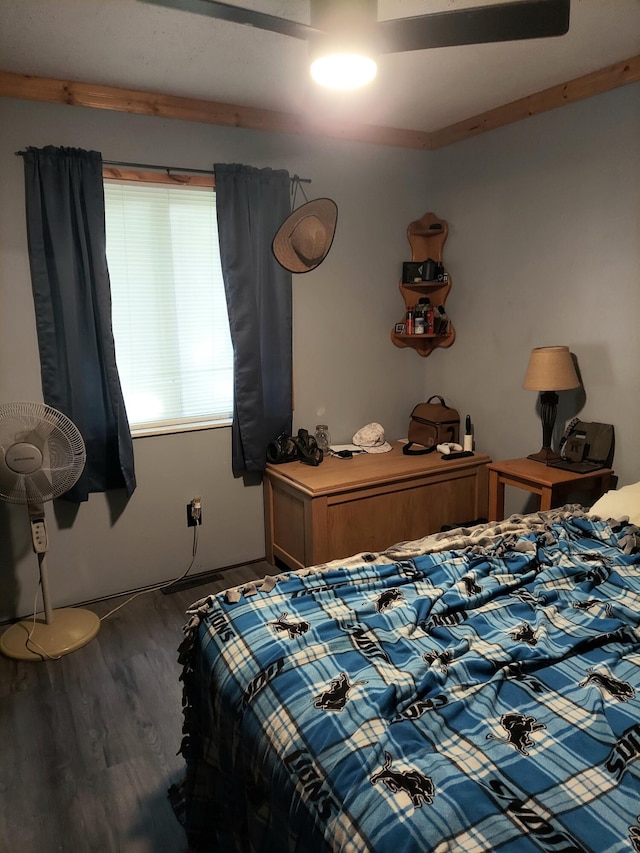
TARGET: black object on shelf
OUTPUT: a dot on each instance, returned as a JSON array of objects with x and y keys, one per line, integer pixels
[{"x": 459, "y": 454}]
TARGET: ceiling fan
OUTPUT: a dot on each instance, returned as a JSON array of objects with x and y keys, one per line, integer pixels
[{"x": 353, "y": 25}]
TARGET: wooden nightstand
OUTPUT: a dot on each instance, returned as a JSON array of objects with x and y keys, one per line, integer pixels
[
  {"x": 552, "y": 485},
  {"x": 368, "y": 503}
]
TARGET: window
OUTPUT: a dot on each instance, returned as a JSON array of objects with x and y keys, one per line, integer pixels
[{"x": 170, "y": 323}]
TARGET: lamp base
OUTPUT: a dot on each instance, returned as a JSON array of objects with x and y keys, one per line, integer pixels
[{"x": 545, "y": 455}]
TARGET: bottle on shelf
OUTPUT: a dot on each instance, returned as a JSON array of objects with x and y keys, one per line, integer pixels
[
  {"x": 418, "y": 323},
  {"x": 430, "y": 320},
  {"x": 410, "y": 318}
]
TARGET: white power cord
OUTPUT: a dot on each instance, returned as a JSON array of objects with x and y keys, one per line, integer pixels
[
  {"x": 194, "y": 551},
  {"x": 40, "y": 651},
  {"x": 30, "y": 640}
]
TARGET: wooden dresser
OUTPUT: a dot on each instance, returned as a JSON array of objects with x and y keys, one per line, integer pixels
[{"x": 367, "y": 503}]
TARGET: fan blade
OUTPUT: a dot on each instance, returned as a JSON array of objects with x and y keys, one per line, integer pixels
[
  {"x": 522, "y": 19},
  {"x": 238, "y": 15},
  {"x": 39, "y": 487},
  {"x": 11, "y": 485},
  {"x": 40, "y": 433}
]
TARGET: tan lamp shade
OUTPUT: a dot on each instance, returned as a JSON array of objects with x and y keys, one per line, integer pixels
[{"x": 550, "y": 369}]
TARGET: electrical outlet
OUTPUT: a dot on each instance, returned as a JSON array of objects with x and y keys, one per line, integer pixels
[{"x": 194, "y": 512}]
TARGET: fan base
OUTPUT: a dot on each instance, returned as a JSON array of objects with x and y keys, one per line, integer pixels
[{"x": 70, "y": 629}]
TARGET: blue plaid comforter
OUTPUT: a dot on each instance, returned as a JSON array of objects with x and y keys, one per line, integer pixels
[{"x": 477, "y": 693}]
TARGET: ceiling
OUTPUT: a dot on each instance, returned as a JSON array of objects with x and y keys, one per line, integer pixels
[{"x": 134, "y": 45}]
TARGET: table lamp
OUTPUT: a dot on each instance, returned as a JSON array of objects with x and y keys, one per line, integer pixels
[{"x": 550, "y": 369}]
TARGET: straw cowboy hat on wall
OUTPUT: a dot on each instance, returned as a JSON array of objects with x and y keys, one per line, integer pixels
[{"x": 305, "y": 237}]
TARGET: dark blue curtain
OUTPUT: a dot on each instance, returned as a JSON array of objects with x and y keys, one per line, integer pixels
[
  {"x": 252, "y": 204},
  {"x": 72, "y": 297}
]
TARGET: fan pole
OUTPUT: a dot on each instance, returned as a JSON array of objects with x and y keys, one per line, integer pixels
[
  {"x": 62, "y": 630},
  {"x": 44, "y": 582}
]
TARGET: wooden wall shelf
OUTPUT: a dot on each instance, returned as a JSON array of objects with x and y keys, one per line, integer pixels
[{"x": 426, "y": 237}]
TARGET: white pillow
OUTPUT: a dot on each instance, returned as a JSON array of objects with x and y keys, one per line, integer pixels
[{"x": 618, "y": 503}]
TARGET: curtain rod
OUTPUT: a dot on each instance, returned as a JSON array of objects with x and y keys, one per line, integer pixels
[
  {"x": 159, "y": 168},
  {"x": 142, "y": 166},
  {"x": 168, "y": 169}
]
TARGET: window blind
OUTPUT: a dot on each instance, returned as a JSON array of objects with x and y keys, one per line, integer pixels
[{"x": 170, "y": 323}]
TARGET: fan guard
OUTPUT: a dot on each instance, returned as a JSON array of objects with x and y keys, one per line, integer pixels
[{"x": 42, "y": 453}]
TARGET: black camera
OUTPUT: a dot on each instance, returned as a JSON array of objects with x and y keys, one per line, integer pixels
[
  {"x": 412, "y": 271},
  {"x": 432, "y": 270},
  {"x": 429, "y": 270}
]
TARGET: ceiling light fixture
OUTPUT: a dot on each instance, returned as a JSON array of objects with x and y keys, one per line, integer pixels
[
  {"x": 344, "y": 56},
  {"x": 343, "y": 70}
]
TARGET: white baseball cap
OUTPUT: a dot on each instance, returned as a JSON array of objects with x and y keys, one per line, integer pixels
[{"x": 371, "y": 439}]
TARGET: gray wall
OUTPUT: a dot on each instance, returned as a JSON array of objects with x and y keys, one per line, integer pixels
[
  {"x": 347, "y": 372},
  {"x": 544, "y": 249}
]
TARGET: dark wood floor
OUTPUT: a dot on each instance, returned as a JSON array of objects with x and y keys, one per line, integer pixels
[{"x": 88, "y": 743}]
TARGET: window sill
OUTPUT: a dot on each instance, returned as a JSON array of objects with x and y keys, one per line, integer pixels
[{"x": 169, "y": 429}]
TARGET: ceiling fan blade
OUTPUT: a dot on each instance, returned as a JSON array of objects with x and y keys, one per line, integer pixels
[
  {"x": 521, "y": 19},
  {"x": 238, "y": 15}
]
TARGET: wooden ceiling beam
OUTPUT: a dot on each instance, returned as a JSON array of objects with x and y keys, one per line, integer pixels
[
  {"x": 194, "y": 109},
  {"x": 231, "y": 115},
  {"x": 619, "y": 74}
]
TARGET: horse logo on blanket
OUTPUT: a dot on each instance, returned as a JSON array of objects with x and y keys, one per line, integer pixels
[
  {"x": 418, "y": 786},
  {"x": 387, "y": 599},
  {"x": 518, "y": 729},
  {"x": 335, "y": 698},
  {"x": 620, "y": 690},
  {"x": 524, "y": 633},
  {"x": 293, "y": 629}
]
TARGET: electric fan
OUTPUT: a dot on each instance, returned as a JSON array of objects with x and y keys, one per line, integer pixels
[{"x": 42, "y": 456}]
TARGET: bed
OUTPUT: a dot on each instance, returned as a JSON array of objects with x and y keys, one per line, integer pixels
[{"x": 475, "y": 690}]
